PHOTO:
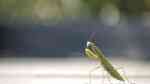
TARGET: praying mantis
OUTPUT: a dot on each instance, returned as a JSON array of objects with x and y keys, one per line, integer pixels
[{"x": 92, "y": 51}]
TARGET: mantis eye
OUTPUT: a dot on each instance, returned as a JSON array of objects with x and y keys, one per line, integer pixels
[{"x": 89, "y": 43}]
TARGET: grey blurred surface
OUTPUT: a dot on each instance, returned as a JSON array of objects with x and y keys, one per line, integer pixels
[
  {"x": 68, "y": 71},
  {"x": 23, "y": 38}
]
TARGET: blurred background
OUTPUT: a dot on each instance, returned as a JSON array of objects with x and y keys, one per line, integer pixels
[{"x": 37, "y": 35}]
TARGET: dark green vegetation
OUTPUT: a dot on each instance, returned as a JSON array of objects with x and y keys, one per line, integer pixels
[{"x": 46, "y": 10}]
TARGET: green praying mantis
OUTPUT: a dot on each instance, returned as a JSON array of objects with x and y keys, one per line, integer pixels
[{"x": 92, "y": 51}]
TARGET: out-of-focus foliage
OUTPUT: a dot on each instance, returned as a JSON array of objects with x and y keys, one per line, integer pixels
[
  {"x": 16, "y": 7},
  {"x": 33, "y": 9},
  {"x": 132, "y": 7},
  {"x": 53, "y": 10},
  {"x": 95, "y": 6}
]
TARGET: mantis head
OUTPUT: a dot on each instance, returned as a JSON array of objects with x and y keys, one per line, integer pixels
[
  {"x": 88, "y": 44},
  {"x": 91, "y": 41}
]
